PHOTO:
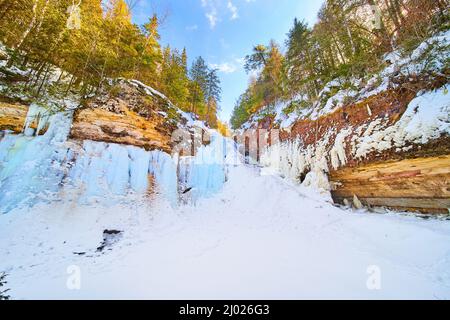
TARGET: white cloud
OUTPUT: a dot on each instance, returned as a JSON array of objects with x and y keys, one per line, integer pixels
[
  {"x": 233, "y": 9},
  {"x": 212, "y": 18},
  {"x": 225, "y": 67},
  {"x": 240, "y": 61},
  {"x": 192, "y": 28},
  {"x": 215, "y": 8},
  {"x": 211, "y": 12},
  {"x": 229, "y": 67}
]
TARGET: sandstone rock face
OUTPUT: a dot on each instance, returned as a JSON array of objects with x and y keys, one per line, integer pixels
[
  {"x": 12, "y": 116},
  {"x": 126, "y": 112},
  {"x": 421, "y": 184},
  {"x": 130, "y": 113},
  {"x": 403, "y": 174},
  {"x": 124, "y": 128}
]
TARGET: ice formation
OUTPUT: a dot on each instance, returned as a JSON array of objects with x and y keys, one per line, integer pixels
[
  {"x": 106, "y": 172},
  {"x": 338, "y": 156},
  {"x": 306, "y": 165},
  {"x": 50, "y": 167},
  {"x": 205, "y": 173},
  {"x": 31, "y": 168},
  {"x": 427, "y": 117}
]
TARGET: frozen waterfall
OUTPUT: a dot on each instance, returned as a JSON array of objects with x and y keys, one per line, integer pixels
[
  {"x": 32, "y": 168},
  {"x": 51, "y": 167}
]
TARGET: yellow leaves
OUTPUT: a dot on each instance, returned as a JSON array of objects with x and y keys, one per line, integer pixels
[
  {"x": 223, "y": 129},
  {"x": 119, "y": 11}
]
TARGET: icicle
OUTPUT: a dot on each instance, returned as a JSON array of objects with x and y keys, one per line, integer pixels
[
  {"x": 204, "y": 174},
  {"x": 164, "y": 169},
  {"x": 118, "y": 170},
  {"x": 139, "y": 167},
  {"x": 39, "y": 115},
  {"x": 357, "y": 203},
  {"x": 32, "y": 169}
]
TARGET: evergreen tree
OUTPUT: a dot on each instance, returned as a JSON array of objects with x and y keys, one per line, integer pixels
[
  {"x": 3, "y": 295},
  {"x": 343, "y": 44},
  {"x": 212, "y": 95},
  {"x": 257, "y": 59},
  {"x": 175, "y": 82},
  {"x": 199, "y": 77}
]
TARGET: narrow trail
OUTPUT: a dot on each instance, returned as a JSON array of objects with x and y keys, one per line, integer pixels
[{"x": 259, "y": 238}]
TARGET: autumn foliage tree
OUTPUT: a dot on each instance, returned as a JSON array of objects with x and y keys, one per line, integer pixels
[
  {"x": 348, "y": 41},
  {"x": 105, "y": 44}
]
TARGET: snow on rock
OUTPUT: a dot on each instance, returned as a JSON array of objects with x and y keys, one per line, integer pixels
[
  {"x": 149, "y": 90},
  {"x": 192, "y": 120},
  {"x": 430, "y": 115},
  {"x": 328, "y": 101},
  {"x": 189, "y": 117},
  {"x": 427, "y": 117},
  {"x": 430, "y": 57}
]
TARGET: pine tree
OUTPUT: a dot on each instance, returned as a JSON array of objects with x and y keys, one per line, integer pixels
[
  {"x": 198, "y": 75},
  {"x": 257, "y": 59},
  {"x": 107, "y": 45},
  {"x": 150, "y": 56},
  {"x": 174, "y": 79},
  {"x": 212, "y": 95},
  {"x": 3, "y": 295},
  {"x": 184, "y": 60}
]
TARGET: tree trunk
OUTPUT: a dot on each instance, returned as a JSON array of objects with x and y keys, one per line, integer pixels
[
  {"x": 381, "y": 33},
  {"x": 44, "y": 9},
  {"x": 352, "y": 43},
  {"x": 392, "y": 15},
  {"x": 30, "y": 26},
  {"x": 43, "y": 81}
]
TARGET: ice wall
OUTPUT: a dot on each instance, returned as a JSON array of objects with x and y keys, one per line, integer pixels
[
  {"x": 205, "y": 173},
  {"x": 50, "y": 167},
  {"x": 105, "y": 172},
  {"x": 37, "y": 114},
  {"x": 32, "y": 168}
]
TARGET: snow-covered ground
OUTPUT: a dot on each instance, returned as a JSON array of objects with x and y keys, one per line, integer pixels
[
  {"x": 83, "y": 220},
  {"x": 259, "y": 238}
]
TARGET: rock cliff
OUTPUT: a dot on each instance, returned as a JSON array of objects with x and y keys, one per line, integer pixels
[
  {"x": 124, "y": 112},
  {"x": 128, "y": 113}
]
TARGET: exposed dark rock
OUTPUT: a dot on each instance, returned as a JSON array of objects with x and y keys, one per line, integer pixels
[{"x": 110, "y": 237}]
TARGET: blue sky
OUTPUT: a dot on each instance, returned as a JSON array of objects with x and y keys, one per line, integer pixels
[{"x": 224, "y": 31}]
